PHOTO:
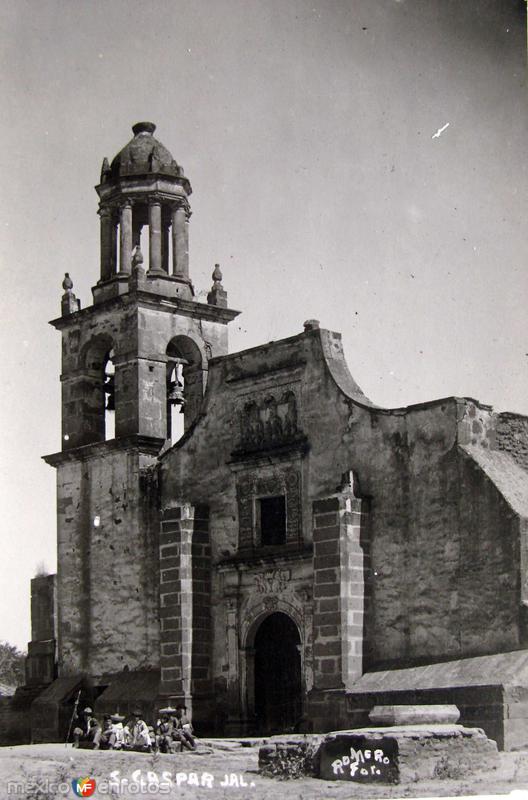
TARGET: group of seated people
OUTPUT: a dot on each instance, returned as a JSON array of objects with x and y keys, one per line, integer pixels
[{"x": 172, "y": 732}]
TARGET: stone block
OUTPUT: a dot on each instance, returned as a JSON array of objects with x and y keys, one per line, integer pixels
[
  {"x": 330, "y": 648},
  {"x": 327, "y": 590},
  {"x": 328, "y": 605},
  {"x": 414, "y": 715},
  {"x": 406, "y": 754},
  {"x": 323, "y": 534},
  {"x": 327, "y": 521},
  {"x": 327, "y": 561},
  {"x": 328, "y": 618},
  {"x": 324, "y": 506},
  {"x": 327, "y": 548}
]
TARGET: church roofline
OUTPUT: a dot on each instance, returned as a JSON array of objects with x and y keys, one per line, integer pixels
[{"x": 321, "y": 333}]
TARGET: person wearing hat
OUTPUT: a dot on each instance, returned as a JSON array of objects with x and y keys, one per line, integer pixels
[
  {"x": 183, "y": 730},
  {"x": 88, "y": 729},
  {"x": 164, "y": 728},
  {"x": 137, "y": 736},
  {"x": 113, "y": 735},
  {"x": 119, "y": 731}
]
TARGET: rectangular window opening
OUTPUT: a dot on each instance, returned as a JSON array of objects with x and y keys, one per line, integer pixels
[{"x": 272, "y": 517}]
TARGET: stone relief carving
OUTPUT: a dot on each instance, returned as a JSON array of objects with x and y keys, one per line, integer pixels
[
  {"x": 271, "y": 603},
  {"x": 273, "y": 581},
  {"x": 272, "y": 419},
  {"x": 293, "y": 501}
]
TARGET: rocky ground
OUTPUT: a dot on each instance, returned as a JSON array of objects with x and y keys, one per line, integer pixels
[{"x": 218, "y": 770}]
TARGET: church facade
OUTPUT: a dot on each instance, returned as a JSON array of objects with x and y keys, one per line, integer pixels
[{"x": 248, "y": 532}]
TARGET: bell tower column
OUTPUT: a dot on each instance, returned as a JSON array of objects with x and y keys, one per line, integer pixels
[
  {"x": 180, "y": 241},
  {"x": 125, "y": 251},
  {"x": 107, "y": 244},
  {"x": 155, "y": 235}
]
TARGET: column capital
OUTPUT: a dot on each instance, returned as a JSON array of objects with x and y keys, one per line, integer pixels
[
  {"x": 182, "y": 204},
  {"x": 105, "y": 211}
]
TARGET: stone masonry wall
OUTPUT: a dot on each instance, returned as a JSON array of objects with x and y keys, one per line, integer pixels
[
  {"x": 341, "y": 592},
  {"x": 107, "y": 565},
  {"x": 139, "y": 337},
  {"x": 341, "y": 588},
  {"x": 512, "y": 436},
  {"x": 408, "y": 464},
  {"x": 488, "y": 580},
  {"x": 185, "y": 609}
]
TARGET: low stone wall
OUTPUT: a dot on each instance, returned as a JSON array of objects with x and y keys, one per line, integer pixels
[
  {"x": 290, "y": 756},
  {"x": 382, "y": 755},
  {"x": 406, "y": 754}
]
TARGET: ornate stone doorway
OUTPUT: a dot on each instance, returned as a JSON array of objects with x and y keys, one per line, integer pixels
[{"x": 278, "y": 684}]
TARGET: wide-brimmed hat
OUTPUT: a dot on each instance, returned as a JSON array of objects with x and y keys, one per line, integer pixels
[
  {"x": 88, "y": 710},
  {"x": 116, "y": 717},
  {"x": 168, "y": 710},
  {"x": 136, "y": 713}
]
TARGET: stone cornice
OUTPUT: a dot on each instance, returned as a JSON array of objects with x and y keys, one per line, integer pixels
[
  {"x": 139, "y": 183},
  {"x": 268, "y": 454},
  {"x": 150, "y": 445},
  {"x": 252, "y": 375},
  {"x": 186, "y": 307},
  {"x": 146, "y": 299},
  {"x": 275, "y": 556}
]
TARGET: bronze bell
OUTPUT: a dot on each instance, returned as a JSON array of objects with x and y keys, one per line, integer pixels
[
  {"x": 175, "y": 396},
  {"x": 109, "y": 388}
]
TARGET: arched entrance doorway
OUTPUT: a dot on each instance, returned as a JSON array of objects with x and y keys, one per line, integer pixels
[{"x": 278, "y": 688}]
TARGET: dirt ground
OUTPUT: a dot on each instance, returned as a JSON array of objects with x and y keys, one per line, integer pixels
[{"x": 45, "y": 772}]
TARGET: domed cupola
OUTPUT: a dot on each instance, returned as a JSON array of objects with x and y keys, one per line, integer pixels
[
  {"x": 142, "y": 155},
  {"x": 144, "y": 186}
]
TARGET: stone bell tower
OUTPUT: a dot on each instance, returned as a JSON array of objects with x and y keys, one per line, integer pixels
[{"x": 139, "y": 353}]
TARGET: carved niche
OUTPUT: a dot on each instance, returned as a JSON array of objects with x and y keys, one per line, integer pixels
[
  {"x": 268, "y": 419},
  {"x": 253, "y": 485}
]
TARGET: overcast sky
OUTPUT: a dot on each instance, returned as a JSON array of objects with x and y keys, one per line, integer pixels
[{"x": 307, "y": 131}]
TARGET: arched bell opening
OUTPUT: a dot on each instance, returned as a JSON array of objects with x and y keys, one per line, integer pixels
[
  {"x": 97, "y": 387},
  {"x": 186, "y": 376},
  {"x": 109, "y": 395},
  {"x": 175, "y": 400}
]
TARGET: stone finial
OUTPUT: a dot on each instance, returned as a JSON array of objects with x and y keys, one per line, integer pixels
[
  {"x": 143, "y": 127},
  {"x": 69, "y": 303},
  {"x": 217, "y": 274},
  {"x": 217, "y": 296},
  {"x": 349, "y": 484},
  {"x": 137, "y": 258},
  {"x": 311, "y": 325},
  {"x": 105, "y": 170}
]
